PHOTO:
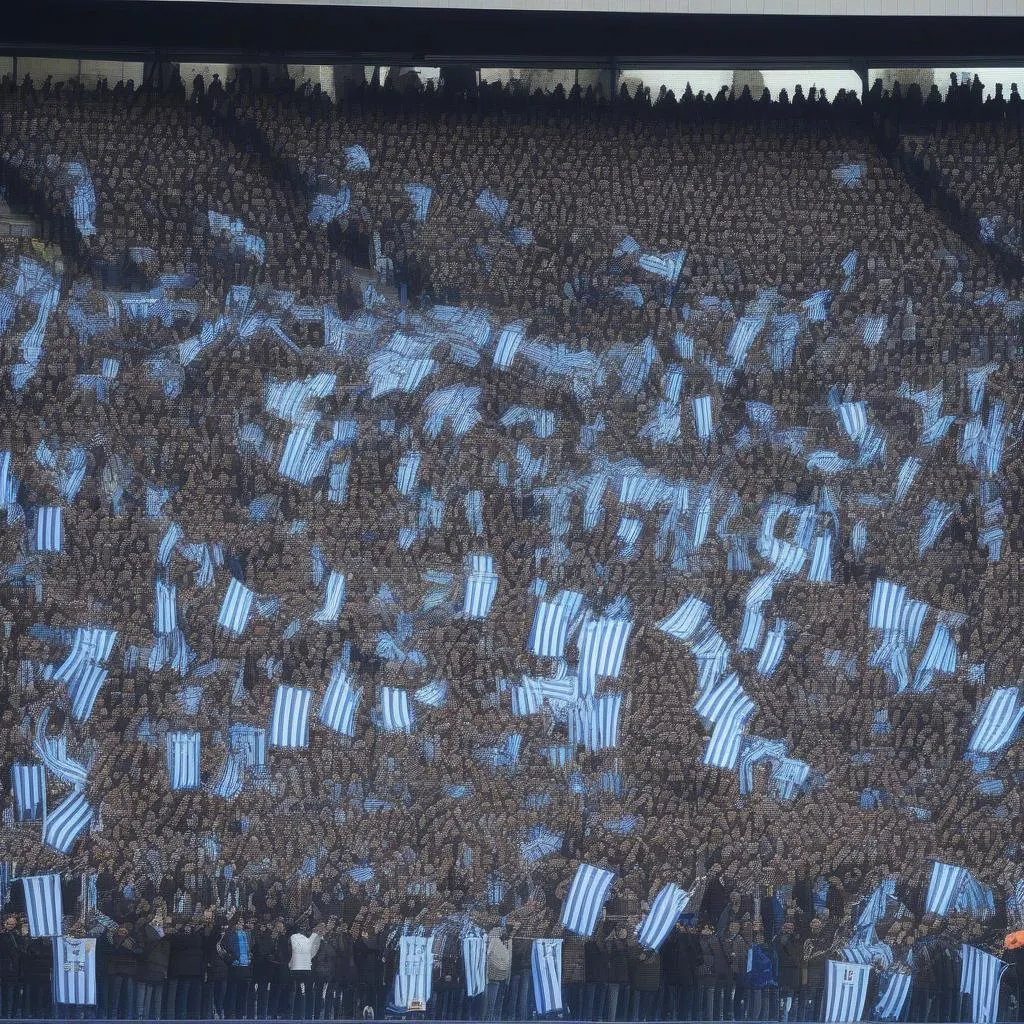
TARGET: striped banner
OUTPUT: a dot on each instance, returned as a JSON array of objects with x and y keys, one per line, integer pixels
[
  {"x": 546, "y": 963},
  {"x": 998, "y": 722},
  {"x": 585, "y": 899},
  {"x": 67, "y": 822},
  {"x": 334, "y": 598},
  {"x": 943, "y": 888},
  {"x": 980, "y": 973},
  {"x": 43, "y": 905},
  {"x": 602, "y": 647},
  {"x": 236, "y": 608},
  {"x": 289, "y": 720},
  {"x": 551, "y": 622},
  {"x": 656, "y": 927},
  {"x": 74, "y": 971},
  {"x": 49, "y": 532},
  {"x": 413, "y": 983},
  {"x": 183, "y": 760},
  {"x": 394, "y": 712},
  {"x": 340, "y": 703},
  {"x": 847, "y": 991},
  {"x": 29, "y": 785},
  {"x": 893, "y": 991},
  {"x": 474, "y": 960},
  {"x": 481, "y": 587}
]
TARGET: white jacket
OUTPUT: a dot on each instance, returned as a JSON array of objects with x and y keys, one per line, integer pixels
[{"x": 304, "y": 949}]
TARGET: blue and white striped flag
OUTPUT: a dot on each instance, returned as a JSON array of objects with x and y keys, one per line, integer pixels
[
  {"x": 229, "y": 785},
  {"x": 29, "y": 785},
  {"x": 547, "y": 976},
  {"x": 998, "y": 722},
  {"x": 394, "y": 712},
  {"x": 551, "y": 622},
  {"x": 686, "y": 620},
  {"x": 847, "y": 991},
  {"x": 703, "y": 418},
  {"x": 602, "y": 647},
  {"x": 773, "y": 649},
  {"x": 474, "y": 959},
  {"x": 656, "y": 927},
  {"x": 945, "y": 885},
  {"x": 65, "y": 823},
  {"x": 74, "y": 971},
  {"x": 585, "y": 899},
  {"x": 165, "y": 608},
  {"x": 413, "y": 983},
  {"x": 481, "y": 586},
  {"x": 893, "y": 991},
  {"x": 43, "y": 905},
  {"x": 236, "y": 608},
  {"x": 289, "y": 721},
  {"x": 340, "y": 703},
  {"x": 334, "y": 598},
  {"x": 183, "y": 760},
  {"x": 49, "y": 533},
  {"x": 980, "y": 973}
]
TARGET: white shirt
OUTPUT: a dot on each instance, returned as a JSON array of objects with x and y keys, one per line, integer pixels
[{"x": 304, "y": 948}]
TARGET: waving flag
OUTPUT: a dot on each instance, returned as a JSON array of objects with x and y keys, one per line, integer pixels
[
  {"x": 585, "y": 899},
  {"x": 340, "y": 703},
  {"x": 289, "y": 721},
  {"x": 980, "y": 973},
  {"x": 236, "y": 608},
  {"x": 546, "y": 962},
  {"x": 65, "y": 823},
  {"x": 43, "y": 905},
  {"x": 481, "y": 586},
  {"x": 49, "y": 533},
  {"x": 419, "y": 196},
  {"x": 183, "y": 760},
  {"x": 29, "y": 785},
  {"x": 474, "y": 959},
  {"x": 946, "y": 882},
  {"x": 413, "y": 983},
  {"x": 998, "y": 722},
  {"x": 847, "y": 991},
  {"x": 893, "y": 991},
  {"x": 74, "y": 971},
  {"x": 394, "y": 712},
  {"x": 656, "y": 927}
]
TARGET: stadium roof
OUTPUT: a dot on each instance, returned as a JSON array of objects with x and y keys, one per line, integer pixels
[{"x": 334, "y": 33}]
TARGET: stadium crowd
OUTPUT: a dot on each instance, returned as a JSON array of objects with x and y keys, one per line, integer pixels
[{"x": 304, "y": 379}]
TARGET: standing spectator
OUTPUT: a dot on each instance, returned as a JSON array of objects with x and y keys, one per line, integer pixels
[
  {"x": 151, "y": 977},
  {"x": 185, "y": 970},
  {"x": 680, "y": 966},
  {"x": 304, "y": 950},
  {"x": 120, "y": 960},
  {"x": 37, "y": 962},
  {"x": 520, "y": 995},
  {"x": 237, "y": 943},
  {"x": 595, "y": 973},
  {"x": 573, "y": 974},
  {"x": 499, "y": 970},
  {"x": 215, "y": 962},
  {"x": 617, "y": 1001},
  {"x": 716, "y": 975},
  {"x": 11, "y": 946},
  {"x": 645, "y": 983},
  {"x": 790, "y": 953}
]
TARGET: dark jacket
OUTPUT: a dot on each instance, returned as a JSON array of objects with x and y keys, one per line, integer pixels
[
  {"x": 119, "y": 954},
  {"x": 326, "y": 962},
  {"x": 230, "y": 944},
  {"x": 215, "y": 962},
  {"x": 156, "y": 956},
  {"x": 644, "y": 970},
  {"x": 186, "y": 956},
  {"x": 37, "y": 960},
  {"x": 572, "y": 961},
  {"x": 714, "y": 959},
  {"x": 791, "y": 954},
  {"x": 11, "y": 948},
  {"x": 273, "y": 953},
  {"x": 595, "y": 961},
  {"x": 618, "y": 962},
  {"x": 681, "y": 959},
  {"x": 521, "y": 950},
  {"x": 369, "y": 961}
]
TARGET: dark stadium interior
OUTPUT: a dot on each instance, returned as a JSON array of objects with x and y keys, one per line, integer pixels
[{"x": 485, "y": 550}]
